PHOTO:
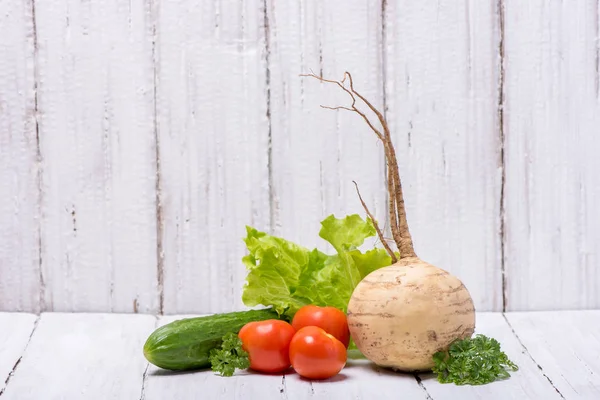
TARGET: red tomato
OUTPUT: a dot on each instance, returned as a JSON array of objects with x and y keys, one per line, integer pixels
[
  {"x": 267, "y": 343},
  {"x": 316, "y": 354},
  {"x": 331, "y": 319}
]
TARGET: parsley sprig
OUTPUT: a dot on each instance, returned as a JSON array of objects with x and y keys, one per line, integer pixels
[
  {"x": 473, "y": 361},
  {"x": 230, "y": 356}
]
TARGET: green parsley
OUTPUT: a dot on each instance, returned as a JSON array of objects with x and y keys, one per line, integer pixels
[
  {"x": 472, "y": 361},
  {"x": 230, "y": 356}
]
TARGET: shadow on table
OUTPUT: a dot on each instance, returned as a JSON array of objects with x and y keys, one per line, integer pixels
[
  {"x": 337, "y": 378},
  {"x": 166, "y": 372},
  {"x": 422, "y": 376}
]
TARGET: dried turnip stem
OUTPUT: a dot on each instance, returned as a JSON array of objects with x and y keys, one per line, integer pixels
[
  {"x": 397, "y": 211},
  {"x": 379, "y": 232},
  {"x": 392, "y": 204}
]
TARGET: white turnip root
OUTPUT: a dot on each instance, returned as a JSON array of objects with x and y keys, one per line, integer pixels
[{"x": 401, "y": 315}]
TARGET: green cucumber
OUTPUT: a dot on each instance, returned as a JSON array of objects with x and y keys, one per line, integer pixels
[{"x": 185, "y": 344}]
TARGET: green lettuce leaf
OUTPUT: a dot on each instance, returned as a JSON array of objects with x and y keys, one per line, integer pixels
[
  {"x": 371, "y": 260},
  {"x": 274, "y": 267},
  {"x": 287, "y": 276}
]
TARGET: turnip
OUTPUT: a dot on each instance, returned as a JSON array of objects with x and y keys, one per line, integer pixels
[{"x": 401, "y": 315}]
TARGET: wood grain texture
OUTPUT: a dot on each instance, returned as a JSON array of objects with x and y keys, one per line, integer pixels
[
  {"x": 14, "y": 338},
  {"x": 214, "y": 133},
  {"x": 137, "y": 139},
  {"x": 566, "y": 347},
  {"x": 359, "y": 379},
  {"x": 98, "y": 356},
  {"x": 552, "y": 181},
  {"x": 442, "y": 93},
  {"x": 96, "y": 104},
  {"x": 317, "y": 153},
  {"x": 19, "y": 190},
  {"x": 71, "y": 356},
  {"x": 526, "y": 383}
]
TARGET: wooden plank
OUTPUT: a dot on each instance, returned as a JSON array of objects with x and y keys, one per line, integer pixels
[
  {"x": 70, "y": 356},
  {"x": 552, "y": 181},
  {"x": 360, "y": 379},
  {"x": 566, "y": 347},
  {"x": 161, "y": 384},
  {"x": 19, "y": 191},
  {"x": 317, "y": 153},
  {"x": 15, "y": 335},
  {"x": 213, "y": 133},
  {"x": 527, "y": 383},
  {"x": 96, "y": 102},
  {"x": 442, "y": 99}
]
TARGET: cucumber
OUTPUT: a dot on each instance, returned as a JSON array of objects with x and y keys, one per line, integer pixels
[{"x": 185, "y": 344}]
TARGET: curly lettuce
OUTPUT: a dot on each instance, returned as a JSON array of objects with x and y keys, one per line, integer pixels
[{"x": 287, "y": 276}]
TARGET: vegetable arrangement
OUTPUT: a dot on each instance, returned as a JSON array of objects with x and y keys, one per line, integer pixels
[
  {"x": 311, "y": 344},
  {"x": 399, "y": 311}
]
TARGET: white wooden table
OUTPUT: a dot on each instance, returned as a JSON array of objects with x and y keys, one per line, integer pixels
[{"x": 99, "y": 356}]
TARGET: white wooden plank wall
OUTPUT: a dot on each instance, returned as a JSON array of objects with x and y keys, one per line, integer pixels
[
  {"x": 317, "y": 153},
  {"x": 552, "y": 131},
  {"x": 214, "y": 148},
  {"x": 137, "y": 139},
  {"x": 96, "y": 122},
  {"x": 19, "y": 168},
  {"x": 442, "y": 81}
]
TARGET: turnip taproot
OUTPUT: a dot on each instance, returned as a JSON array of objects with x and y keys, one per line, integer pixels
[{"x": 401, "y": 315}]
